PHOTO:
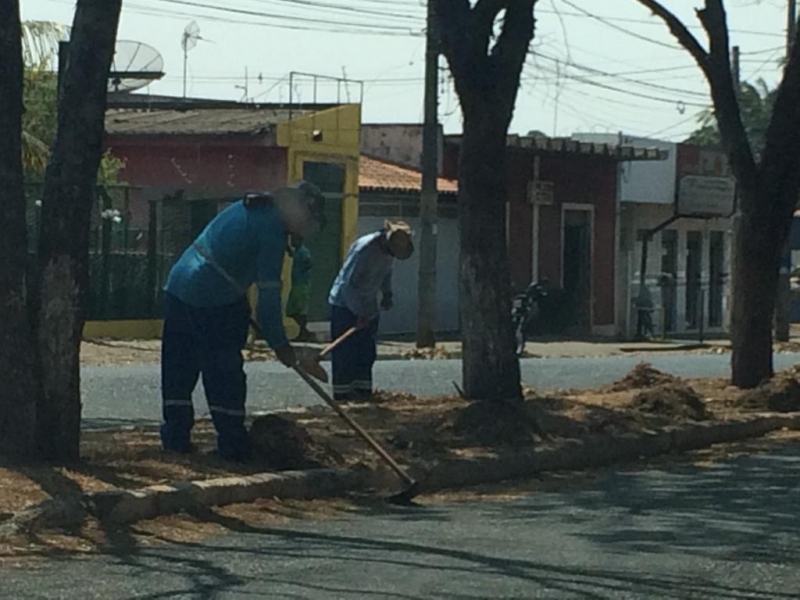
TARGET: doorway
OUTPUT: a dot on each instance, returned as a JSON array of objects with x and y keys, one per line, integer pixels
[
  {"x": 577, "y": 267},
  {"x": 668, "y": 280},
  {"x": 694, "y": 278},
  {"x": 716, "y": 283},
  {"x": 325, "y": 245}
]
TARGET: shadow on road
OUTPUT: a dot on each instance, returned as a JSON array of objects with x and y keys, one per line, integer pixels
[{"x": 738, "y": 513}]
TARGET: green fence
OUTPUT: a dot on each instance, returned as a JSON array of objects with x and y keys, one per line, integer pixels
[{"x": 134, "y": 241}]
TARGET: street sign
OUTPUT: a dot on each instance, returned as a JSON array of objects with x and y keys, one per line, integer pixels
[
  {"x": 708, "y": 197},
  {"x": 541, "y": 192}
]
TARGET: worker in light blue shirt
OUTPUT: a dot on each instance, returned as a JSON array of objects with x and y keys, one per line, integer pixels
[
  {"x": 207, "y": 315},
  {"x": 353, "y": 299}
]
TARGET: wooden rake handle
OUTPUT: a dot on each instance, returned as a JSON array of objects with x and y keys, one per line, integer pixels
[
  {"x": 355, "y": 426},
  {"x": 335, "y": 343}
]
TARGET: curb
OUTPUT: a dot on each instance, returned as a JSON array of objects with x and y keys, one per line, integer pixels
[
  {"x": 128, "y": 506},
  {"x": 598, "y": 451}
]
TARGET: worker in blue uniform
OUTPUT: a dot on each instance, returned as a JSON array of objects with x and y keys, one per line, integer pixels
[
  {"x": 367, "y": 271},
  {"x": 207, "y": 314}
]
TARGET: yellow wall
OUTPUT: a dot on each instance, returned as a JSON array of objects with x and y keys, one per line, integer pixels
[
  {"x": 341, "y": 143},
  {"x": 143, "y": 329}
]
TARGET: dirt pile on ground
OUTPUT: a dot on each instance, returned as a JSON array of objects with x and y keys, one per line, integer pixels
[
  {"x": 643, "y": 376},
  {"x": 282, "y": 444},
  {"x": 781, "y": 394},
  {"x": 673, "y": 400},
  {"x": 496, "y": 424},
  {"x": 427, "y": 353}
]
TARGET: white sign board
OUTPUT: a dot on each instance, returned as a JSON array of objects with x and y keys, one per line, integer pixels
[
  {"x": 541, "y": 192},
  {"x": 706, "y": 196}
]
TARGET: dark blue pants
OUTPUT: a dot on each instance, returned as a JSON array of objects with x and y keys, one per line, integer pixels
[
  {"x": 207, "y": 342},
  {"x": 352, "y": 361}
]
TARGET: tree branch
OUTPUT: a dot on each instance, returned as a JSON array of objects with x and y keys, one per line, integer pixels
[
  {"x": 453, "y": 23},
  {"x": 513, "y": 43},
  {"x": 679, "y": 31},
  {"x": 782, "y": 146},
  {"x": 716, "y": 66}
]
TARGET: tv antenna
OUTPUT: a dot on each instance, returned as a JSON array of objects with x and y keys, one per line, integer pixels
[
  {"x": 246, "y": 87},
  {"x": 191, "y": 34},
  {"x": 134, "y": 66}
]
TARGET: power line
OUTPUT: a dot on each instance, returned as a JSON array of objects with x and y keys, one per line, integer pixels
[
  {"x": 182, "y": 14},
  {"x": 350, "y": 8},
  {"x": 612, "y": 88},
  {"x": 283, "y": 17},
  {"x": 621, "y": 77}
]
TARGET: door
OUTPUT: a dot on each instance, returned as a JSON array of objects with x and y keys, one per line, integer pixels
[
  {"x": 325, "y": 245},
  {"x": 577, "y": 267},
  {"x": 694, "y": 273}
]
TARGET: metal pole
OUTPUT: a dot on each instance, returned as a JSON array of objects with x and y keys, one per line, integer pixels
[
  {"x": 702, "y": 317},
  {"x": 784, "y": 295},
  {"x": 185, "y": 62},
  {"x": 426, "y": 314}
]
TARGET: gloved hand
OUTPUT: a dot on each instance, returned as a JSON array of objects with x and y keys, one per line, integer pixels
[
  {"x": 286, "y": 355},
  {"x": 387, "y": 303}
]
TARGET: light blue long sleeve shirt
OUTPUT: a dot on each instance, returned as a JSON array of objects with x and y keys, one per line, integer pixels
[
  {"x": 367, "y": 270},
  {"x": 248, "y": 244}
]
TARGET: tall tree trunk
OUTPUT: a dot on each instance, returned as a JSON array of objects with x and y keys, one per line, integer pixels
[
  {"x": 17, "y": 352},
  {"x": 754, "y": 295},
  {"x": 67, "y": 204},
  {"x": 490, "y": 365}
]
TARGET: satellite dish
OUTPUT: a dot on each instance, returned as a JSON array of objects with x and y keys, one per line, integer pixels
[{"x": 135, "y": 65}]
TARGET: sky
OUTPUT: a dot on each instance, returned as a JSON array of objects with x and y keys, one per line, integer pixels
[{"x": 594, "y": 66}]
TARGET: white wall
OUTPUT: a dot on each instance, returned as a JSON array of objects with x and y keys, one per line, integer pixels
[
  {"x": 639, "y": 217},
  {"x": 645, "y": 182},
  {"x": 396, "y": 143},
  {"x": 403, "y": 317}
]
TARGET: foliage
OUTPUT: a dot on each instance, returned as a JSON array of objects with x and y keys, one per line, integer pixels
[
  {"x": 40, "y": 97},
  {"x": 755, "y": 102}
]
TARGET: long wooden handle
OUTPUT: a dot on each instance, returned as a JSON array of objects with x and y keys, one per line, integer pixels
[
  {"x": 335, "y": 343},
  {"x": 355, "y": 426}
]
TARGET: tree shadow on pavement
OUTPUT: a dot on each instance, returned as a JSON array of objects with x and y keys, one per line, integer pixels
[
  {"x": 306, "y": 551},
  {"x": 740, "y": 510}
]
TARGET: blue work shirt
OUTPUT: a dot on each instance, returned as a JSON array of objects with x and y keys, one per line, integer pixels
[
  {"x": 366, "y": 271},
  {"x": 249, "y": 245}
]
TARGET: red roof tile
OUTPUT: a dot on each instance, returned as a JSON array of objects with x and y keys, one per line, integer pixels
[{"x": 379, "y": 175}]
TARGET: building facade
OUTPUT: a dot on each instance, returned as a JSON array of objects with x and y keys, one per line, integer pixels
[{"x": 687, "y": 271}]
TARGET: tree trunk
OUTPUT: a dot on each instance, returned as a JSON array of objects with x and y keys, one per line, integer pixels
[
  {"x": 69, "y": 190},
  {"x": 490, "y": 365},
  {"x": 755, "y": 290},
  {"x": 17, "y": 353}
]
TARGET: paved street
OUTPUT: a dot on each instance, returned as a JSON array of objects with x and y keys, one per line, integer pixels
[
  {"x": 130, "y": 394},
  {"x": 727, "y": 532}
]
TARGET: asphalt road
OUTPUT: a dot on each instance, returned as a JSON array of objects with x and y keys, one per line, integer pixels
[
  {"x": 130, "y": 394},
  {"x": 726, "y": 532}
]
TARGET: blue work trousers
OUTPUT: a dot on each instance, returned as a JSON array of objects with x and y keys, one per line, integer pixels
[
  {"x": 208, "y": 342},
  {"x": 352, "y": 362}
]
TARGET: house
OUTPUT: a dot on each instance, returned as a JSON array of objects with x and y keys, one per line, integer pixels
[
  {"x": 688, "y": 259},
  {"x": 562, "y": 222},
  {"x": 388, "y": 190},
  {"x": 185, "y": 160}
]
